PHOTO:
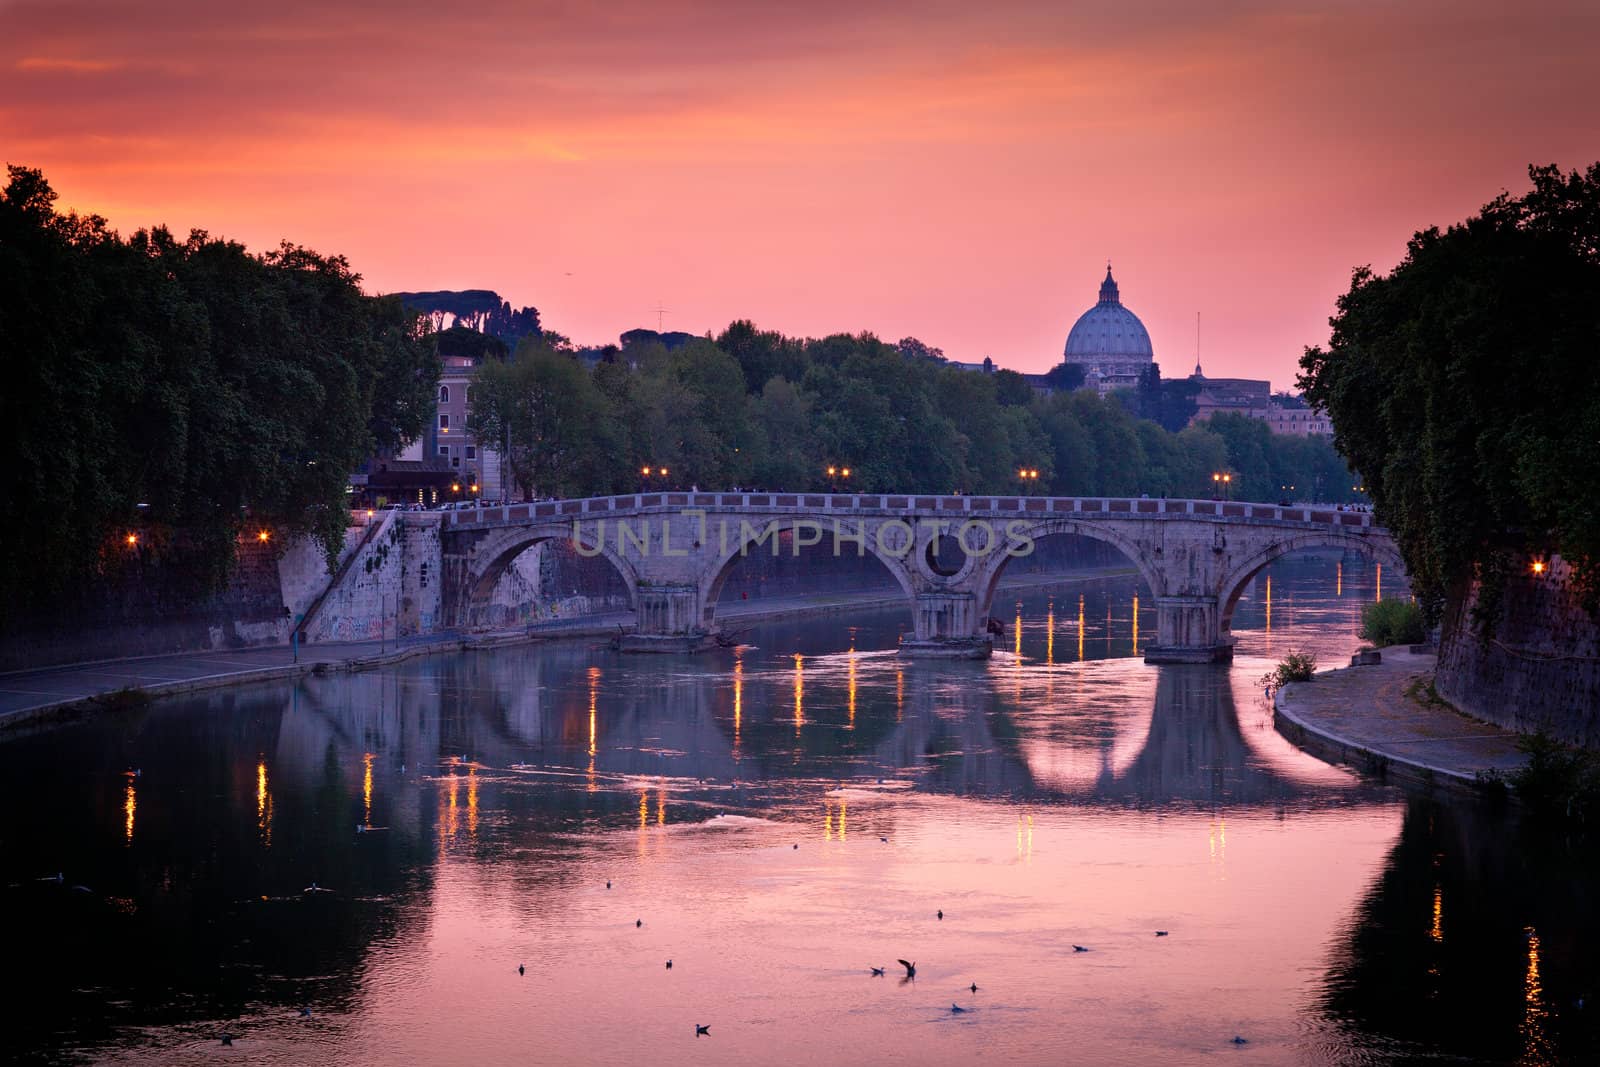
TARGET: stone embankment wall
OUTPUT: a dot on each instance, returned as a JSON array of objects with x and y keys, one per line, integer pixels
[
  {"x": 145, "y": 605},
  {"x": 389, "y": 588},
  {"x": 1540, "y": 668}
]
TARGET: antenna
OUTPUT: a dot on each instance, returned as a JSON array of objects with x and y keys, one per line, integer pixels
[
  {"x": 1197, "y": 343},
  {"x": 660, "y": 312}
]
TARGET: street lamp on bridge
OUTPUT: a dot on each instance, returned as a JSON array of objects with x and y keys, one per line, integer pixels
[{"x": 1221, "y": 485}]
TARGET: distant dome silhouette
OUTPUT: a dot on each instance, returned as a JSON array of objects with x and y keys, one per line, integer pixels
[{"x": 1109, "y": 341}]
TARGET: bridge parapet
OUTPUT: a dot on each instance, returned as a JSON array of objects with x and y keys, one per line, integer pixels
[{"x": 997, "y": 507}]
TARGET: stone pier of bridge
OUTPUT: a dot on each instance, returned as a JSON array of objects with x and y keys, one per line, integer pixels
[{"x": 947, "y": 553}]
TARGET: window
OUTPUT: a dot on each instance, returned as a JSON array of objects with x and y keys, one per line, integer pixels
[
  {"x": 455, "y": 461},
  {"x": 444, "y": 450},
  {"x": 444, "y": 394},
  {"x": 472, "y": 451},
  {"x": 469, "y": 395},
  {"x": 444, "y": 420}
]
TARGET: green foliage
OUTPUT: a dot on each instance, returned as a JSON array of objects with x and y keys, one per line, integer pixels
[
  {"x": 1392, "y": 622},
  {"x": 1558, "y": 782},
  {"x": 184, "y": 386},
  {"x": 1295, "y": 667},
  {"x": 1462, "y": 385}
]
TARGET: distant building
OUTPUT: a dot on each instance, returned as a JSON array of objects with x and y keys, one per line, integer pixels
[
  {"x": 447, "y": 462},
  {"x": 1249, "y": 397},
  {"x": 1110, "y": 342},
  {"x": 1290, "y": 414}
]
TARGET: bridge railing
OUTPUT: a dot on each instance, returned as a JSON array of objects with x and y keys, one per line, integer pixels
[{"x": 1006, "y": 507}]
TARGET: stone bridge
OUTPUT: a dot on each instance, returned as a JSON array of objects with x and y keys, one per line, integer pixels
[{"x": 675, "y": 550}]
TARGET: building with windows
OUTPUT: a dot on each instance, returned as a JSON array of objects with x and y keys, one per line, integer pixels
[{"x": 447, "y": 462}]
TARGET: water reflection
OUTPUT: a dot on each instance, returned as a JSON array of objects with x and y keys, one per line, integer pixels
[{"x": 1051, "y": 802}]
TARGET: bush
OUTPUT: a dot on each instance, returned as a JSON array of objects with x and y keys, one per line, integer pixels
[
  {"x": 1558, "y": 782},
  {"x": 1392, "y": 622},
  {"x": 1296, "y": 667}
]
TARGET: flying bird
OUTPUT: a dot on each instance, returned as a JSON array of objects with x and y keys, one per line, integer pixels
[
  {"x": 1161, "y": 933},
  {"x": 315, "y": 888},
  {"x": 911, "y": 968},
  {"x": 702, "y": 1031},
  {"x": 669, "y": 965},
  {"x": 885, "y": 840}
]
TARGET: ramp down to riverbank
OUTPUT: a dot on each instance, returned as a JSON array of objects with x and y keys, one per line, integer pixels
[{"x": 1381, "y": 719}]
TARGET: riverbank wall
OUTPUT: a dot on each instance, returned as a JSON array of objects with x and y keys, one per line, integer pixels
[{"x": 1538, "y": 668}]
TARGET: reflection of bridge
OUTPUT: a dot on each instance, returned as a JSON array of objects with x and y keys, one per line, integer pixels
[
  {"x": 952, "y": 730},
  {"x": 675, "y": 551}
]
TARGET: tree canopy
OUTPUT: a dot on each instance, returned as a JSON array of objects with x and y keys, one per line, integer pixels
[
  {"x": 757, "y": 409},
  {"x": 1463, "y": 385},
  {"x": 169, "y": 384}
]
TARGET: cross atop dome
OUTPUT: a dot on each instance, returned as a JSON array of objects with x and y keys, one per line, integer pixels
[{"x": 1108, "y": 288}]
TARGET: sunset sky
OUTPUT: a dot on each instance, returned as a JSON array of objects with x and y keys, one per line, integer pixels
[{"x": 959, "y": 172}]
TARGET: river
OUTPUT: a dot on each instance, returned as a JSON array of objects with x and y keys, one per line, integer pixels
[{"x": 776, "y": 821}]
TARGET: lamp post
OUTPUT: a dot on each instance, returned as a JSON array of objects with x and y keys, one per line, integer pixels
[
  {"x": 1029, "y": 476},
  {"x": 659, "y": 474},
  {"x": 838, "y": 477}
]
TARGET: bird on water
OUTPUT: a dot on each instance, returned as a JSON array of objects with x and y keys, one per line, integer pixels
[
  {"x": 669, "y": 965},
  {"x": 227, "y": 1039},
  {"x": 638, "y": 923},
  {"x": 1237, "y": 1040},
  {"x": 1079, "y": 948},
  {"x": 877, "y": 972},
  {"x": 1161, "y": 933},
  {"x": 974, "y": 987},
  {"x": 521, "y": 969},
  {"x": 911, "y": 968},
  {"x": 956, "y": 1009},
  {"x": 941, "y": 914}
]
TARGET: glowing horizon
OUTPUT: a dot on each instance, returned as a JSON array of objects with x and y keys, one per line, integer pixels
[{"x": 956, "y": 176}]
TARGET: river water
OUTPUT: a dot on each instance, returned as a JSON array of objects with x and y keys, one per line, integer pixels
[{"x": 777, "y": 821}]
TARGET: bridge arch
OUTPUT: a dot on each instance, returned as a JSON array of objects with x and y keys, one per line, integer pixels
[
  {"x": 722, "y": 565},
  {"x": 1018, "y": 535},
  {"x": 493, "y": 555},
  {"x": 1233, "y": 583}
]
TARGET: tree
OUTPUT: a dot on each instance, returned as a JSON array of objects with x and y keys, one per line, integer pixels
[
  {"x": 1065, "y": 377},
  {"x": 1462, "y": 386},
  {"x": 187, "y": 387},
  {"x": 545, "y": 403}
]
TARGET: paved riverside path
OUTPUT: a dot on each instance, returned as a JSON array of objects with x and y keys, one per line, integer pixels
[{"x": 1364, "y": 716}]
